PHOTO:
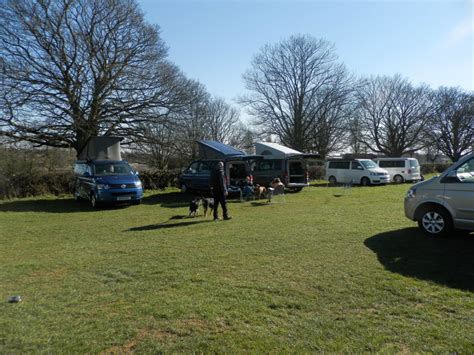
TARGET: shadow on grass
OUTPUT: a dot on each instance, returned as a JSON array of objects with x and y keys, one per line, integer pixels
[
  {"x": 166, "y": 225},
  {"x": 59, "y": 205},
  {"x": 445, "y": 261}
]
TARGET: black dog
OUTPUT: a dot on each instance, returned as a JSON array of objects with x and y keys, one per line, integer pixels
[
  {"x": 207, "y": 203},
  {"x": 194, "y": 207}
]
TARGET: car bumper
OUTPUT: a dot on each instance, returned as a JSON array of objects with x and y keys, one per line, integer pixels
[
  {"x": 380, "y": 180},
  {"x": 120, "y": 195},
  {"x": 409, "y": 206}
]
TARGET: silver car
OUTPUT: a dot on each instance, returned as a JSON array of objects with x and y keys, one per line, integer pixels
[{"x": 444, "y": 202}]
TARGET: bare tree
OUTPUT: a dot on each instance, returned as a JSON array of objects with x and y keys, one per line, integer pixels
[
  {"x": 453, "y": 122},
  {"x": 222, "y": 120},
  {"x": 393, "y": 115},
  {"x": 190, "y": 122},
  {"x": 77, "y": 68},
  {"x": 292, "y": 85}
]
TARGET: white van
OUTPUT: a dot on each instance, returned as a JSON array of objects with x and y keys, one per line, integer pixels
[
  {"x": 401, "y": 169},
  {"x": 355, "y": 171}
]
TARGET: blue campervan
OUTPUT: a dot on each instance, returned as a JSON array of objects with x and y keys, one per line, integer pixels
[{"x": 101, "y": 176}]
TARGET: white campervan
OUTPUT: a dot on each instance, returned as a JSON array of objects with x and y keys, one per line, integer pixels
[
  {"x": 401, "y": 169},
  {"x": 355, "y": 171}
]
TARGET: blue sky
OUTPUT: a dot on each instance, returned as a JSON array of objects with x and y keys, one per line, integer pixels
[{"x": 214, "y": 41}]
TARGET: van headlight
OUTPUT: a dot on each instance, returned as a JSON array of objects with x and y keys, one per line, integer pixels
[
  {"x": 103, "y": 187},
  {"x": 138, "y": 183},
  {"x": 411, "y": 193}
]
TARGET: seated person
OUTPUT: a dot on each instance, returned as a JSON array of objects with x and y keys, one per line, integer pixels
[
  {"x": 247, "y": 188},
  {"x": 276, "y": 183}
]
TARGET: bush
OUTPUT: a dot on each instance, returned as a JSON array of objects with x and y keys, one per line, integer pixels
[
  {"x": 153, "y": 180},
  {"x": 433, "y": 168}
]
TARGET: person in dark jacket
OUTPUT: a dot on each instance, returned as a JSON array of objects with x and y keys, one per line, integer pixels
[{"x": 219, "y": 191}]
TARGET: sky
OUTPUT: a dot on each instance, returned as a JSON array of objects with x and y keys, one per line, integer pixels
[{"x": 214, "y": 41}]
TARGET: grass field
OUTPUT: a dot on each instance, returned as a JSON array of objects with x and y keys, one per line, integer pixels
[{"x": 314, "y": 273}]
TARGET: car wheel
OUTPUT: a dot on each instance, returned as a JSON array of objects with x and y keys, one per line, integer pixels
[
  {"x": 94, "y": 202},
  {"x": 398, "y": 179},
  {"x": 365, "y": 181},
  {"x": 297, "y": 189},
  {"x": 332, "y": 180},
  {"x": 435, "y": 222},
  {"x": 137, "y": 202},
  {"x": 184, "y": 188}
]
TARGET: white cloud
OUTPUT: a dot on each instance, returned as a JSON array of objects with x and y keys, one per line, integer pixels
[{"x": 463, "y": 30}]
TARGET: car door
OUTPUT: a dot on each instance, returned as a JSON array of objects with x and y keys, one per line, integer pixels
[
  {"x": 357, "y": 172},
  {"x": 189, "y": 176},
  {"x": 203, "y": 176},
  {"x": 459, "y": 194}
]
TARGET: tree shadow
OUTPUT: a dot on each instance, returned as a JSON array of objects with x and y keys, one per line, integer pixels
[
  {"x": 59, "y": 205},
  {"x": 445, "y": 261},
  {"x": 169, "y": 199},
  {"x": 166, "y": 225}
]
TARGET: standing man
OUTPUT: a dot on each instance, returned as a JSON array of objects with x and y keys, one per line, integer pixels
[{"x": 219, "y": 191}]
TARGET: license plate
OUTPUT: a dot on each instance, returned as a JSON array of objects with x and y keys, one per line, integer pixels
[{"x": 124, "y": 198}]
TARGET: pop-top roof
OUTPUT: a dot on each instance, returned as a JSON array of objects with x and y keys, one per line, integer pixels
[
  {"x": 101, "y": 148},
  {"x": 274, "y": 150},
  {"x": 217, "y": 150}
]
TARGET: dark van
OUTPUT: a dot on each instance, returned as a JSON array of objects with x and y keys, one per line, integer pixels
[
  {"x": 236, "y": 167},
  {"x": 100, "y": 174},
  {"x": 281, "y": 162}
]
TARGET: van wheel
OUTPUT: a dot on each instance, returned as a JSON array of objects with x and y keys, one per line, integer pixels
[
  {"x": 435, "y": 221},
  {"x": 183, "y": 188},
  {"x": 398, "y": 179},
  {"x": 332, "y": 180},
  {"x": 365, "y": 181},
  {"x": 137, "y": 202},
  {"x": 297, "y": 189}
]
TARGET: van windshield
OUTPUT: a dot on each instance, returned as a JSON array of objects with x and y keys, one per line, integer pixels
[
  {"x": 112, "y": 168},
  {"x": 368, "y": 164}
]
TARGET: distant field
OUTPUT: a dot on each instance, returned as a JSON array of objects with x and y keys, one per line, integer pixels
[{"x": 314, "y": 273}]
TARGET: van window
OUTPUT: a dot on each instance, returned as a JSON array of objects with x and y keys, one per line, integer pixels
[
  {"x": 392, "y": 163},
  {"x": 194, "y": 167},
  {"x": 414, "y": 164},
  {"x": 112, "y": 168},
  {"x": 465, "y": 172},
  {"x": 368, "y": 164},
  {"x": 80, "y": 168},
  {"x": 204, "y": 167},
  {"x": 296, "y": 168},
  {"x": 356, "y": 166},
  {"x": 339, "y": 165},
  {"x": 268, "y": 165}
]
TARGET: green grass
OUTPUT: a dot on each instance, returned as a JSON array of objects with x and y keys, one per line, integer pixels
[{"x": 315, "y": 273}]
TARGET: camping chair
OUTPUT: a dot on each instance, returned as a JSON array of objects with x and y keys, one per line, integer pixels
[{"x": 277, "y": 193}]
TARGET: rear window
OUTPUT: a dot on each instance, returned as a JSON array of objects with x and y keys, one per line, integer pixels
[
  {"x": 339, "y": 165},
  {"x": 414, "y": 164},
  {"x": 392, "y": 163}
]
